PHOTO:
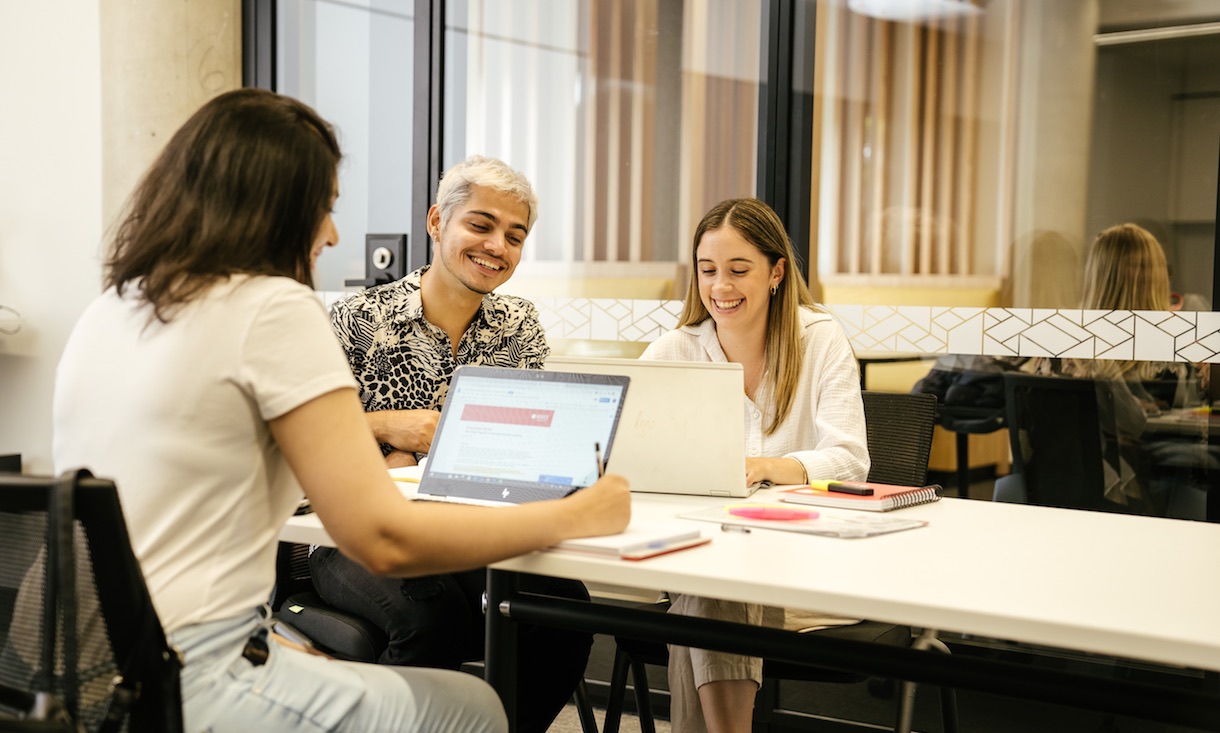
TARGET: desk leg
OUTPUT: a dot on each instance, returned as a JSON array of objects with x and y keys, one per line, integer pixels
[
  {"x": 906, "y": 694},
  {"x": 500, "y": 645}
]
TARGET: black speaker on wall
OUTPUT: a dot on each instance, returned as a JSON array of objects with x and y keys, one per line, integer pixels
[
  {"x": 10, "y": 463},
  {"x": 385, "y": 259}
]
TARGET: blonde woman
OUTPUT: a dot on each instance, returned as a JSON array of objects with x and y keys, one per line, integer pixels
[
  {"x": 802, "y": 407},
  {"x": 1126, "y": 270},
  {"x": 1145, "y": 471}
]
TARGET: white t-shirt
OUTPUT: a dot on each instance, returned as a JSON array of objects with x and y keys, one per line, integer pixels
[
  {"x": 176, "y": 414},
  {"x": 825, "y": 428}
]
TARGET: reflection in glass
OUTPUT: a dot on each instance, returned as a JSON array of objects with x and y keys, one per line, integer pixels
[
  {"x": 982, "y": 151},
  {"x": 631, "y": 119}
]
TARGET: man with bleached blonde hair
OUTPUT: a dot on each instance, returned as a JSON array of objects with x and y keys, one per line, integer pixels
[{"x": 403, "y": 341}]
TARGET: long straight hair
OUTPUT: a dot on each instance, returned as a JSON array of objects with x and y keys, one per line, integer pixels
[
  {"x": 242, "y": 187},
  {"x": 1125, "y": 270},
  {"x": 784, "y": 351}
]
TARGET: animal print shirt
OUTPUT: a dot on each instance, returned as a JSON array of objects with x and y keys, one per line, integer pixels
[{"x": 403, "y": 362}]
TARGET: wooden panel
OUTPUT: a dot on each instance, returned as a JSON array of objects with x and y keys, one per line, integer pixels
[{"x": 989, "y": 449}]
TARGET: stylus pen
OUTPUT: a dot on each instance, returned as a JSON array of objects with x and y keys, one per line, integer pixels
[{"x": 597, "y": 455}]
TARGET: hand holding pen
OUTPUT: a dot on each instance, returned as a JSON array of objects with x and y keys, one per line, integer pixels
[{"x": 603, "y": 507}]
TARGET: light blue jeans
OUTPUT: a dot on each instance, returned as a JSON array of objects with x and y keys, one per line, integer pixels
[{"x": 294, "y": 691}]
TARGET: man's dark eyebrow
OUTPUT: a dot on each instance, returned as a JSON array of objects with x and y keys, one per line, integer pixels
[{"x": 489, "y": 215}]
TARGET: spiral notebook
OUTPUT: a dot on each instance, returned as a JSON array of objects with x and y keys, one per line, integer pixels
[{"x": 885, "y": 497}]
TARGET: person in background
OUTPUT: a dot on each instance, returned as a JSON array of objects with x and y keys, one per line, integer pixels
[
  {"x": 1126, "y": 270},
  {"x": 403, "y": 341},
  {"x": 205, "y": 381},
  {"x": 803, "y": 411}
]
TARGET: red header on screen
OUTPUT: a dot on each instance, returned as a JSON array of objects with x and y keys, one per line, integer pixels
[{"x": 508, "y": 415}]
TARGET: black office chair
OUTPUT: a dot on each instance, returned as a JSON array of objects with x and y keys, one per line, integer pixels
[
  {"x": 1059, "y": 445},
  {"x": 302, "y": 616},
  {"x": 81, "y": 648},
  {"x": 899, "y": 433}
]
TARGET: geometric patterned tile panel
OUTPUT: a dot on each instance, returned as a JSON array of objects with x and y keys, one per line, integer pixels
[
  {"x": 607, "y": 319},
  {"x": 1190, "y": 336},
  {"x": 1186, "y": 336}
]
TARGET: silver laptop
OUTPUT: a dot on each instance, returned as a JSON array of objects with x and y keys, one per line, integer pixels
[
  {"x": 683, "y": 425},
  {"x": 509, "y": 436}
]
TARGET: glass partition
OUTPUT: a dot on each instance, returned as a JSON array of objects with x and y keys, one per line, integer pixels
[
  {"x": 352, "y": 61},
  {"x": 962, "y": 164},
  {"x": 631, "y": 119},
  {"x": 967, "y": 152}
]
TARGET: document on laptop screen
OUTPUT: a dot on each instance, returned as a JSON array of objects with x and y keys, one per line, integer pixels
[{"x": 541, "y": 432}]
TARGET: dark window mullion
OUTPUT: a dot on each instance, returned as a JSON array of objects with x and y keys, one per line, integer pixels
[
  {"x": 428, "y": 149},
  {"x": 258, "y": 44}
]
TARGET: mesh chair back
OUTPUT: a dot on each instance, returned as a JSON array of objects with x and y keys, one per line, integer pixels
[
  {"x": 81, "y": 642},
  {"x": 291, "y": 573},
  {"x": 899, "y": 428}
]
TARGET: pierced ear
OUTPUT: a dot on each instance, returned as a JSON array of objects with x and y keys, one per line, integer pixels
[{"x": 778, "y": 272}]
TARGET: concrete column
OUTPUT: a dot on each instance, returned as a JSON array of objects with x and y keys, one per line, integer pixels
[
  {"x": 1054, "y": 122},
  {"x": 160, "y": 62}
]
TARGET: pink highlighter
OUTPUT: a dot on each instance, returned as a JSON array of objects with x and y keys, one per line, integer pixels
[{"x": 777, "y": 513}]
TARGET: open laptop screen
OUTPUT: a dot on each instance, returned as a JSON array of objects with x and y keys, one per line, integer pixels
[
  {"x": 522, "y": 434},
  {"x": 683, "y": 425}
]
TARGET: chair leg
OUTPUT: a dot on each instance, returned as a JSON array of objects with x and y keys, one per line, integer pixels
[
  {"x": 618, "y": 691},
  {"x": 643, "y": 701},
  {"x": 948, "y": 709},
  {"x": 906, "y": 707},
  {"x": 584, "y": 709},
  {"x": 906, "y": 694},
  {"x": 766, "y": 702}
]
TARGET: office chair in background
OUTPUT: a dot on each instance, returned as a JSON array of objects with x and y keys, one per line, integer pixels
[
  {"x": 899, "y": 432},
  {"x": 1058, "y": 444},
  {"x": 81, "y": 648}
]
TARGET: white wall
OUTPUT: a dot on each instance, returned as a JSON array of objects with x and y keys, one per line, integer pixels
[
  {"x": 50, "y": 203},
  {"x": 91, "y": 91}
]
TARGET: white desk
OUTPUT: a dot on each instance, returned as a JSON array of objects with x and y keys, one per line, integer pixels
[{"x": 1127, "y": 586}]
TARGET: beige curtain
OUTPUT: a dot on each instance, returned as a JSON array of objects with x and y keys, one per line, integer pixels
[{"x": 668, "y": 132}]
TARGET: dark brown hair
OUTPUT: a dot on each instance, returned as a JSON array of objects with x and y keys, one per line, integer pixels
[{"x": 242, "y": 187}]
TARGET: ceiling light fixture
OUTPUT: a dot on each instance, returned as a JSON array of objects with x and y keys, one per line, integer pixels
[{"x": 911, "y": 11}]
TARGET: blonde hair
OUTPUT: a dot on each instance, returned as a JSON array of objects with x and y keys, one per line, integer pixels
[
  {"x": 1125, "y": 270},
  {"x": 484, "y": 172},
  {"x": 759, "y": 225}
]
